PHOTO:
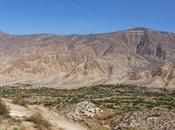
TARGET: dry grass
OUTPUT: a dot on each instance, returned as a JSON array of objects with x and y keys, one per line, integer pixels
[
  {"x": 4, "y": 110},
  {"x": 1, "y": 119},
  {"x": 41, "y": 123},
  {"x": 19, "y": 101},
  {"x": 61, "y": 129}
]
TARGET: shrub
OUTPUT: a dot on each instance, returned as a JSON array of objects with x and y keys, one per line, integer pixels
[
  {"x": 19, "y": 101},
  {"x": 4, "y": 110},
  {"x": 40, "y": 122},
  {"x": 61, "y": 129}
]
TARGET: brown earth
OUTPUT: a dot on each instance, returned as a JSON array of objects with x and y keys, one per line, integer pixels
[{"x": 137, "y": 56}]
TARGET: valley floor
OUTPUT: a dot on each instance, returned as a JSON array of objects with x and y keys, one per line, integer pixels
[{"x": 111, "y": 107}]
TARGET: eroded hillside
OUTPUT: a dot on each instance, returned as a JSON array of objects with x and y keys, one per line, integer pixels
[{"x": 137, "y": 56}]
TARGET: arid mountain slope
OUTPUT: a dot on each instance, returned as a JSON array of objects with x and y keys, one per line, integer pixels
[{"x": 136, "y": 56}]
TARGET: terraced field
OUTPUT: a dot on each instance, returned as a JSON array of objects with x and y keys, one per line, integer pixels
[
  {"x": 118, "y": 99},
  {"x": 121, "y": 97}
]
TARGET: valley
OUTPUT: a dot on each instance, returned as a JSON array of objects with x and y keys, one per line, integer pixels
[
  {"x": 113, "y": 102},
  {"x": 121, "y": 80},
  {"x": 87, "y": 65}
]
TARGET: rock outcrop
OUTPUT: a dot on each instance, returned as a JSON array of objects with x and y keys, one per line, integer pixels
[{"x": 87, "y": 109}]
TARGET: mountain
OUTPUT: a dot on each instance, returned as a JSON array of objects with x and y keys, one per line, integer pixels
[{"x": 139, "y": 56}]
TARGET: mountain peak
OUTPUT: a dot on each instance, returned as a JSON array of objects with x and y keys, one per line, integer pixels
[{"x": 140, "y": 29}]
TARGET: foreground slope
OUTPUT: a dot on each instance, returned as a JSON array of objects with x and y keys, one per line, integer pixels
[
  {"x": 102, "y": 107},
  {"x": 137, "y": 56},
  {"x": 29, "y": 118}
]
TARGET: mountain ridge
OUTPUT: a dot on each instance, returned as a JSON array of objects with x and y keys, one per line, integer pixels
[
  {"x": 137, "y": 56},
  {"x": 79, "y": 34}
]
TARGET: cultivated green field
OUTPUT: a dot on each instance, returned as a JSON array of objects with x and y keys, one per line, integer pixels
[{"x": 123, "y": 98}]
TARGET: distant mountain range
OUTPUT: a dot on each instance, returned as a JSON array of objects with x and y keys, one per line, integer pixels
[{"x": 139, "y": 56}]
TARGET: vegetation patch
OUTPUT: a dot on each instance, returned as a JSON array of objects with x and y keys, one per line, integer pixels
[{"x": 123, "y": 98}]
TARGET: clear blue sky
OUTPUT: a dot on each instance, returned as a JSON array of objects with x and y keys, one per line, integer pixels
[{"x": 84, "y": 16}]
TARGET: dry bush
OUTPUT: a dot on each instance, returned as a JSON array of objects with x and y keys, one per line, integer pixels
[
  {"x": 1, "y": 119},
  {"x": 40, "y": 122},
  {"x": 4, "y": 110},
  {"x": 19, "y": 101},
  {"x": 100, "y": 128},
  {"x": 27, "y": 128}
]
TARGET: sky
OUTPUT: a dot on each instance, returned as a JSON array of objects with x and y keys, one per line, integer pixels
[{"x": 85, "y": 16}]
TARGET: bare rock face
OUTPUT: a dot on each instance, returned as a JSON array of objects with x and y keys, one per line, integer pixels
[
  {"x": 150, "y": 48},
  {"x": 135, "y": 56}
]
